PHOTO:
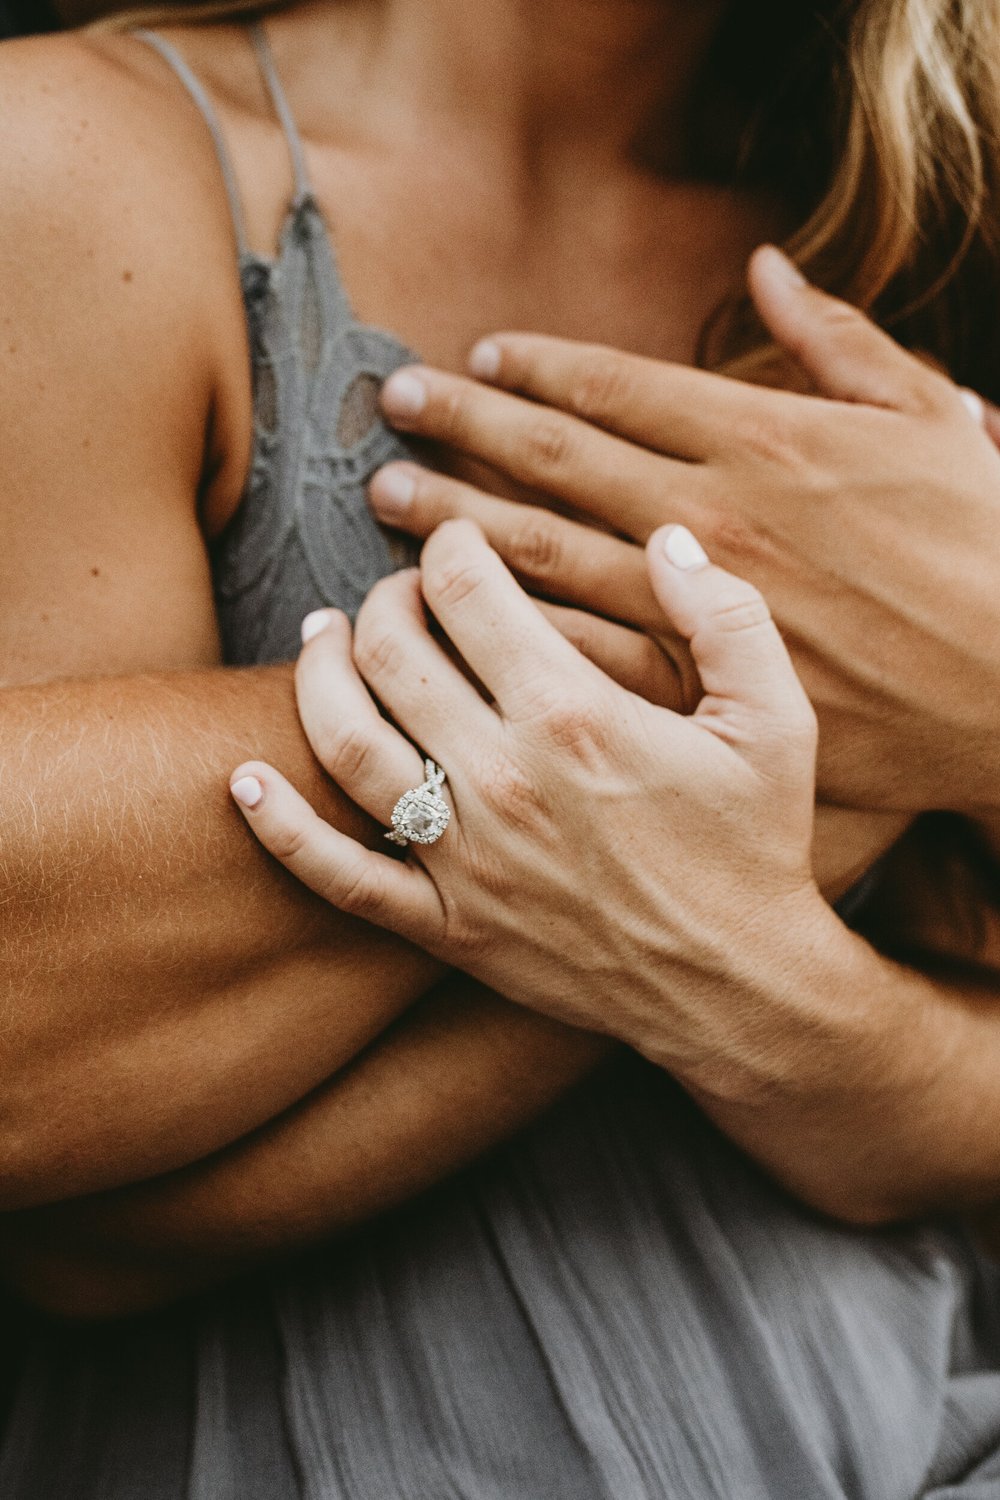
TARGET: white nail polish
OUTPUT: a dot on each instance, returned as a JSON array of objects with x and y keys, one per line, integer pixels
[
  {"x": 247, "y": 791},
  {"x": 313, "y": 623},
  {"x": 485, "y": 360},
  {"x": 684, "y": 550}
]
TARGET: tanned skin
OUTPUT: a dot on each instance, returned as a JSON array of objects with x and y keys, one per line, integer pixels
[{"x": 168, "y": 992}]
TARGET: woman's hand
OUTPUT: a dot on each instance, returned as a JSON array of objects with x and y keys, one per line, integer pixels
[
  {"x": 609, "y": 863},
  {"x": 847, "y": 842},
  {"x": 868, "y": 515}
]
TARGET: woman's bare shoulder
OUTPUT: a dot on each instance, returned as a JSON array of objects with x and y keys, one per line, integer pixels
[
  {"x": 97, "y": 149},
  {"x": 118, "y": 290}
]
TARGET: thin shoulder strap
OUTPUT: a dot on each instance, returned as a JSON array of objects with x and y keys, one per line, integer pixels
[
  {"x": 272, "y": 81},
  {"x": 189, "y": 79}
]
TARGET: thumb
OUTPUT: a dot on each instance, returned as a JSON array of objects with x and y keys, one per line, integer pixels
[
  {"x": 752, "y": 694},
  {"x": 841, "y": 350}
]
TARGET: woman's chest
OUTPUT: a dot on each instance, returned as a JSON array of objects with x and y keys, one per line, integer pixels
[{"x": 439, "y": 249}]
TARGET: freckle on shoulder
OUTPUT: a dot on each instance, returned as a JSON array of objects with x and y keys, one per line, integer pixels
[
  {"x": 91, "y": 107},
  {"x": 94, "y": 142}
]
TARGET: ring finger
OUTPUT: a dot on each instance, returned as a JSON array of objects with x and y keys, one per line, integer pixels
[
  {"x": 412, "y": 676},
  {"x": 362, "y": 752}
]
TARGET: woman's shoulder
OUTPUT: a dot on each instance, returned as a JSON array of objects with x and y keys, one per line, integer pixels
[
  {"x": 94, "y": 145},
  {"x": 117, "y": 281},
  {"x": 109, "y": 194}
]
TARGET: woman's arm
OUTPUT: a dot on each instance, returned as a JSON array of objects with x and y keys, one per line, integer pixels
[
  {"x": 456, "y": 1075},
  {"x": 163, "y": 988},
  {"x": 460, "y": 1072}
]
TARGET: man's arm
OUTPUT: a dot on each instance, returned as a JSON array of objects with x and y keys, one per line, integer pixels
[
  {"x": 164, "y": 986},
  {"x": 459, "y": 1073}
]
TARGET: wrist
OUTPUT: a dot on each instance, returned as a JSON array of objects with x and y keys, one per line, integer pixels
[
  {"x": 835, "y": 1106},
  {"x": 768, "y": 1013}
]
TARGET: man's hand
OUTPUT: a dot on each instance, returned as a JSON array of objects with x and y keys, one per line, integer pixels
[{"x": 867, "y": 514}]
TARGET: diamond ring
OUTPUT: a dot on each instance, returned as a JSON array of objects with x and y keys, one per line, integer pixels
[{"x": 421, "y": 815}]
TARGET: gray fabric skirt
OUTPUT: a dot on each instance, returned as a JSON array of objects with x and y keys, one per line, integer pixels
[{"x": 616, "y": 1307}]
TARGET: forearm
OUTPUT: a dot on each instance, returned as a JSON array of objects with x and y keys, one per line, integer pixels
[
  {"x": 459, "y": 1073},
  {"x": 857, "y": 1119},
  {"x": 165, "y": 986},
  {"x": 898, "y": 1120},
  {"x": 883, "y": 1094}
]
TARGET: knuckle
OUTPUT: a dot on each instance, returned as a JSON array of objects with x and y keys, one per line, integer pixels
[
  {"x": 739, "y": 607},
  {"x": 434, "y": 501},
  {"x": 808, "y": 730},
  {"x": 535, "y": 548},
  {"x": 577, "y": 728},
  {"x": 451, "y": 411},
  {"x": 793, "y": 740},
  {"x": 842, "y": 317},
  {"x": 361, "y": 891},
  {"x": 377, "y": 650},
  {"x": 510, "y": 791},
  {"x": 728, "y": 534},
  {"x": 937, "y": 395},
  {"x": 578, "y": 631},
  {"x": 459, "y": 936},
  {"x": 795, "y": 723},
  {"x": 345, "y": 752},
  {"x": 770, "y": 437},
  {"x": 805, "y": 720},
  {"x": 601, "y": 386},
  {"x": 288, "y": 841},
  {"x": 547, "y": 443},
  {"x": 452, "y": 580}
]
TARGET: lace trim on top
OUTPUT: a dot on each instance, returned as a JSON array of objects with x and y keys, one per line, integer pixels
[{"x": 303, "y": 536}]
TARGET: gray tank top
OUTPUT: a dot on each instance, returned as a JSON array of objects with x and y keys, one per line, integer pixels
[{"x": 303, "y": 536}]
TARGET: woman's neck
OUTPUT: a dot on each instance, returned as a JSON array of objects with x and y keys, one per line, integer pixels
[{"x": 538, "y": 76}]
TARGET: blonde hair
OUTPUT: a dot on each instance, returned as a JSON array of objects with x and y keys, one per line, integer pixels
[
  {"x": 924, "y": 107},
  {"x": 907, "y": 225},
  {"x": 880, "y": 119}
]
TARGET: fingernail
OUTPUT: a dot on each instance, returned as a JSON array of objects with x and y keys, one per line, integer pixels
[
  {"x": 247, "y": 791},
  {"x": 404, "y": 395},
  {"x": 485, "y": 360},
  {"x": 783, "y": 267},
  {"x": 684, "y": 550},
  {"x": 391, "y": 492},
  {"x": 313, "y": 623},
  {"x": 975, "y": 405}
]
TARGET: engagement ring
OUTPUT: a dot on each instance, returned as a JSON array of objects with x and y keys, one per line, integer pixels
[{"x": 421, "y": 815}]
